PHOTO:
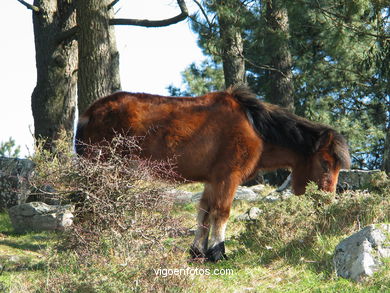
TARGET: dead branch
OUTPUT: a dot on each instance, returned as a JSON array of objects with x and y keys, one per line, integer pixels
[
  {"x": 154, "y": 23},
  {"x": 29, "y": 6}
]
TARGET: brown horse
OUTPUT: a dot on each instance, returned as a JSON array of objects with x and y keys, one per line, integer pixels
[{"x": 221, "y": 139}]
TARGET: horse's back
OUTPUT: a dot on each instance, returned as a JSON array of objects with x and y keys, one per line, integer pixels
[{"x": 198, "y": 133}]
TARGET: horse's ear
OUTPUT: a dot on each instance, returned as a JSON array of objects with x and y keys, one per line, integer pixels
[{"x": 325, "y": 140}]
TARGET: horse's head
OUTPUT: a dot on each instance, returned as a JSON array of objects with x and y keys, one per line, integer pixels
[{"x": 323, "y": 166}]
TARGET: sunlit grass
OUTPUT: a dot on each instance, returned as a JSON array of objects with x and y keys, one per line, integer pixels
[{"x": 289, "y": 249}]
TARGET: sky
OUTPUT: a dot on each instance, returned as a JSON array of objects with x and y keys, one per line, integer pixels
[{"x": 150, "y": 59}]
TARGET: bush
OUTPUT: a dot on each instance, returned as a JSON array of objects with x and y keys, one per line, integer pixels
[
  {"x": 300, "y": 219},
  {"x": 9, "y": 149},
  {"x": 123, "y": 213}
]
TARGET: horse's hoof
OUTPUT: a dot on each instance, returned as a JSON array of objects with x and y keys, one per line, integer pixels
[
  {"x": 196, "y": 253},
  {"x": 216, "y": 253}
]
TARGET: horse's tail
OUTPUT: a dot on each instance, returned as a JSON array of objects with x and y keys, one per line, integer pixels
[
  {"x": 243, "y": 94},
  {"x": 79, "y": 139}
]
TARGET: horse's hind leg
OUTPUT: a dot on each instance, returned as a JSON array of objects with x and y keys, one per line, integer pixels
[{"x": 199, "y": 246}]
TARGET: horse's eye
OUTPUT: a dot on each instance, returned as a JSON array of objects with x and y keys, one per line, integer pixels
[{"x": 325, "y": 165}]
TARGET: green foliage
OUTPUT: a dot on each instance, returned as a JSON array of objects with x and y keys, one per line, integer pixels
[
  {"x": 200, "y": 79},
  {"x": 380, "y": 182},
  {"x": 295, "y": 239},
  {"x": 299, "y": 220},
  {"x": 329, "y": 42},
  {"x": 340, "y": 53},
  {"x": 5, "y": 223},
  {"x": 9, "y": 149}
]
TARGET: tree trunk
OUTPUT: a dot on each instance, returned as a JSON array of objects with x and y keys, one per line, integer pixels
[
  {"x": 53, "y": 100},
  {"x": 98, "y": 73},
  {"x": 232, "y": 44},
  {"x": 280, "y": 89},
  {"x": 386, "y": 155}
]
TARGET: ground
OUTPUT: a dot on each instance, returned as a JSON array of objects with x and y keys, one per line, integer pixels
[{"x": 261, "y": 259}]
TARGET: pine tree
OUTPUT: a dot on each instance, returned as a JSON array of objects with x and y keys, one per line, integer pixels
[
  {"x": 339, "y": 63},
  {"x": 75, "y": 44}
]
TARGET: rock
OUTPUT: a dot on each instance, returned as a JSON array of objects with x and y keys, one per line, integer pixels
[
  {"x": 355, "y": 179},
  {"x": 46, "y": 194},
  {"x": 257, "y": 188},
  {"x": 38, "y": 216},
  {"x": 362, "y": 254},
  {"x": 252, "y": 214},
  {"x": 180, "y": 196},
  {"x": 242, "y": 193},
  {"x": 14, "y": 176},
  {"x": 275, "y": 195},
  {"x": 245, "y": 193}
]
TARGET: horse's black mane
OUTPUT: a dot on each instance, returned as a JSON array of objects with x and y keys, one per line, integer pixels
[{"x": 278, "y": 126}]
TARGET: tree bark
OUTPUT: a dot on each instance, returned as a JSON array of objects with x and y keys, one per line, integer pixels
[
  {"x": 232, "y": 44},
  {"x": 53, "y": 100},
  {"x": 386, "y": 155},
  {"x": 277, "y": 47},
  {"x": 98, "y": 73}
]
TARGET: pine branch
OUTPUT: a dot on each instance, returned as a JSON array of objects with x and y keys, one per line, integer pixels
[
  {"x": 154, "y": 23},
  {"x": 29, "y": 6},
  {"x": 342, "y": 20},
  {"x": 203, "y": 12}
]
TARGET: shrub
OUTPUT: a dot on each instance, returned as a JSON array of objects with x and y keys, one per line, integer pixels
[
  {"x": 300, "y": 219},
  {"x": 123, "y": 213}
]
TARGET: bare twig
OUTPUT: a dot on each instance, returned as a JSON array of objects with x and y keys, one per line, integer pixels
[
  {"x": 29, "y": 6},
  {"x": 154, "y": 23},
  {"x": 112, "y": 4},
  {"x": 203, "y": 12},
  {"x": 263, "y": 67}
]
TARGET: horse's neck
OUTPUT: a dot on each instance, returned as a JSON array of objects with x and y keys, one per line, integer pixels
[{"x": 274, "y": 157}]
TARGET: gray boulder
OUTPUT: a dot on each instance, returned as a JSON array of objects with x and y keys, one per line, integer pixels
[
  {"x": 38, "y": 216},
  {"x": 242, "y": 193},
  {"x": 14, "y": 177},
  {"x": 362, "y": 254},
  {"x": 355, "y": 179},
  {"x": 278, "y": 195},
  {"x": 180, "y": 196},
  {"x": 259, "y": 188},
  {"x": 250, "y": 215},
  {"x": 245, "y": 193}
]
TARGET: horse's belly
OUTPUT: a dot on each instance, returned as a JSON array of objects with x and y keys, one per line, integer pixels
[{"x": 190, "y": 158}]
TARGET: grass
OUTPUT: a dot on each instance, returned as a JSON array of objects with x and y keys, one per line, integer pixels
[
  {"x": 263, "y": 255},
  {"x": 285, "y": 263},
  {"x": 22, "y": 257}
]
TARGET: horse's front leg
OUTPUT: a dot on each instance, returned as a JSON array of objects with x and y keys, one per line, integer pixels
[
  {"x": 216, "y": 250},
  {"x": 199, "y": 246},
  {"x": 220, "y": 205}
]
